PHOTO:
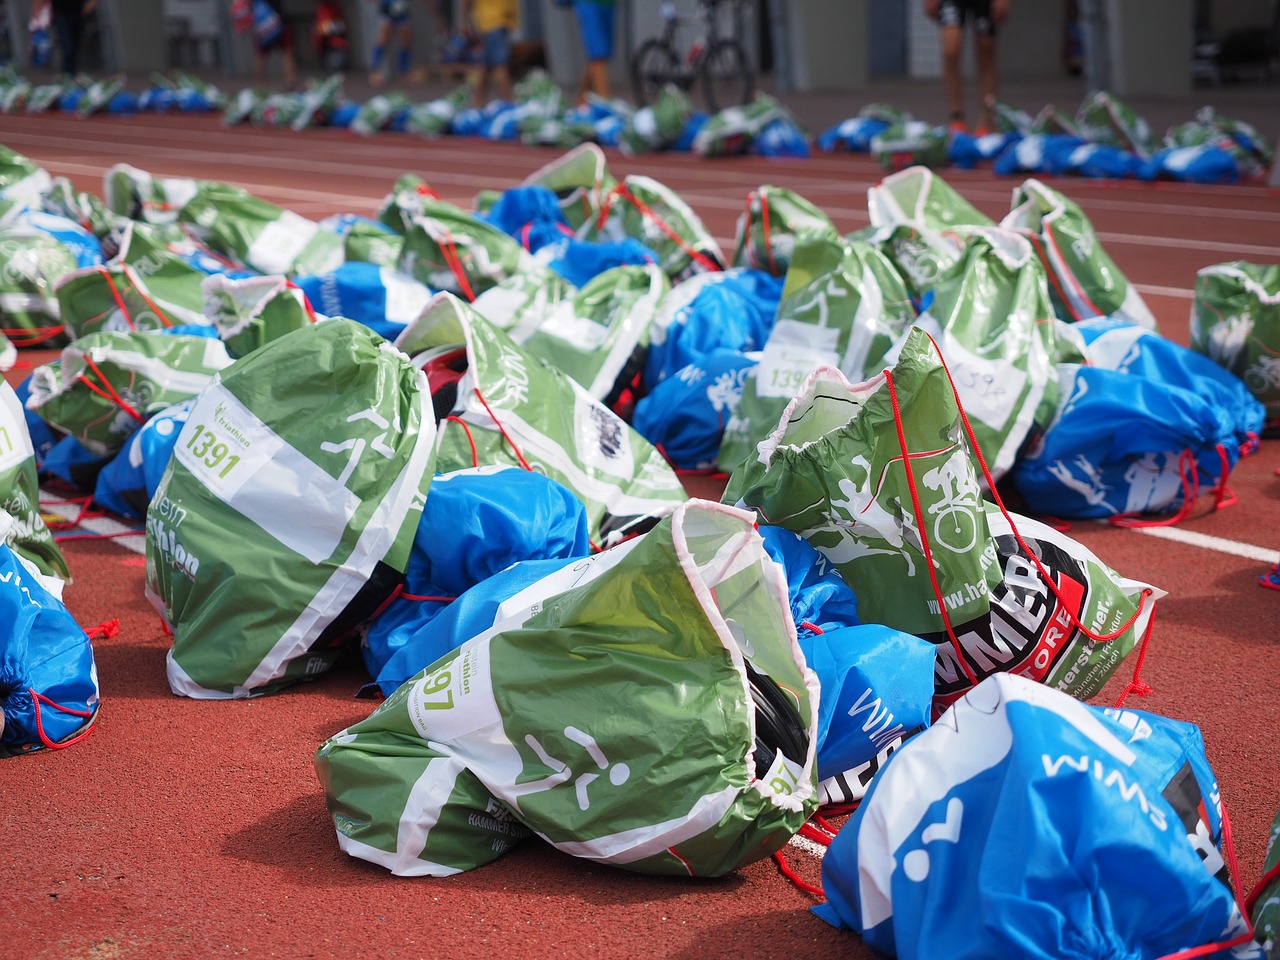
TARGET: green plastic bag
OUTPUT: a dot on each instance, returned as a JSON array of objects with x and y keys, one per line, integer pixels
[
  {"x": 513, "y": 409},
  {"x": 143, "y": 287},
  {"x": 136, "y": 194},
  {"x": 1266, "y": 908},
  {"x": 658, "y": 125},
  {"x": 580, "y": 179},
  {"x": 316, "y": 102},
  {"x": 1052, "y": 120},
  {"x": 242, "y": 105},
  {"x": 447, "y": 248},
  {"x": 405, "y": 201},
  {"x": 108, "y": 384},
  {"x": 287, "y": 513},
  {"x": 843, "y": 305},
  {"x": 1235, "y": 322},
  {"x": 596, "y": 334},
  {"x": 919, "y": 198},
  {"x": 432, "y": 119},
  {"x": 768, "y": 230},
  {"x": 1085, "y": 282},
  {"x": 648, "y": 708},
  {"x": 8, "y": 354},
  {"x": 911, "y": 143},
  {"x": 20, "y": 490},
  {"x": 84, "y": 208},
  {"x": 833, "y": 472},
  {"x": 366, "y": 243},
  {"x": 250, "y": 313},
  {"x": 658, "y": 217},
  {"x": 377, "y": 112},
  {"x": 98, "y": 94},
  {"x": 920, "y": 255},
  {"x": 992, "y": 319},
  {"x": 32, "y": 263},
  {"x": 1104, "y": 118},
  {"x": 731, "y": 132}
]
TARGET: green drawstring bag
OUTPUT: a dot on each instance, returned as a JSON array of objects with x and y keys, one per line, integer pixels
[
  {"x": 1104, "y": 118},
  {"x": 286, "y": 516},
  {"x": 143, "y": 287},
  {"x": 499, "y": 404},
  {"x": 921, "y": 255},
  {"x": 993, "y": 321},
  {"x": 1266, "y": 901},
  {"x": 648, "y": 708},
  {"x": 878, "y": 477},
  {"x": 27, "y": 534},
  {"x": 84, "y": 208},
  {"x": 22, "y": 181},
  {"x": 1084, "y": 280},
  {"x": 432, "y": 119},
  {"x": 918, "y": 197},
  {"x": 658, "y": 217},
  {"x": 1235, "y": 322},
  {"x": 909, "y": 144},
  {"x": 843, "y": 305},
  {"x": 598, "y": 334},
  {"x": 250, "y": 313},
  {"x": 658, "y": 125},
  {"x": 107, "y": 385},
  {"x": 581, "y": 180},
  {"x": 774, "y": 221},
  {"x": 447, "y": 248}
]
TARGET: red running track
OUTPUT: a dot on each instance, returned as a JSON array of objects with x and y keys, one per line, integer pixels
[{"x": 186, "y": 828}]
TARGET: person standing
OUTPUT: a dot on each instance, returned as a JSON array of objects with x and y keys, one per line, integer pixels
[
  {"x": 952, "y": 17},
  {"x": 270, "y": 33},
  {"x": 595, "y": 25},
  {"x": 494, "y": 21},
  {"x": 68, "y": 28},
  {"x": 393, "y": 19}
]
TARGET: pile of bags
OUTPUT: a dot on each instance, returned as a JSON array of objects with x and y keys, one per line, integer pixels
[
  {"x": 1104, "y": 138},
  {"x": 448, "y": 439}
]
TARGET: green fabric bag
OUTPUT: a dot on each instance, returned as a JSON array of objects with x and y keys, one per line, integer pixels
[
  {"x": 447, "y": 248},
  {"x": 250, "y": 313},
  {"x": 658, "y": 217},
  {"x": 97, "y": 95},
  {"x": 648, "y": 708},
  {"x": 843, "y": 305},
  {"x": 317, "y": 102},
  {"x": 833, "y": 472},
  {"x": 1084, "y": 281},
  {"x": 658, "y": 125},
  {"x": 20, "y": 490},
  {"x": 366, "y": 243},
  {"x": 768, "y": 230},
  {"x": 108, "y": 384},
  {"x": 581, "y": 180},
  {"x": 511, "y": 408},
  {"x": 918, "y": 197},
  {"x": 596, "y": 334},
  {"x": 992, "y": 319},
  {"x": 287, "y": 513},
  {"x": 84, "y": 208},
  {"x": 911, "y": 143},
  {"x": 1235, "y": 322},
  {"x": 143, "y": 287},
  {"x": 242, "y": 105},
  {"x": 136, "y": 194},
  {"x": 377, "y": 112}
]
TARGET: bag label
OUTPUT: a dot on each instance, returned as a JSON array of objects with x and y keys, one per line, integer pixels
[
  {"x": 456, "y": 698},
  {"x": 795, "y": 350}
]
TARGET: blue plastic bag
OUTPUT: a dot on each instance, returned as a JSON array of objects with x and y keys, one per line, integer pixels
[
  {"x": 1124, "y": 444},
  {"x": 731, "y": 310},
  {"x": 781, "y": 138},
  {"x": 70, "y": 462},
  {"x": 819, "y": 598},
  {"x": 126, "y": 484},
  {"x": 1025, "y": 824},
  {"x": 1031, "y": 154},
  {"x": 853, "y": 135},
  {"x": 1204, "y": 163},
  {"x": 48, "y": 680},
  {"x": 383, "y": 299},
  {"x": 476, "y": 523}
]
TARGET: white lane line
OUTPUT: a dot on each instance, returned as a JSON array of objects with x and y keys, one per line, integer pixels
[
  {"x": 1206, "y": 542},
  {"x": 1155, "y": 290},
  {"x": 811, "y": 847},
  {"x": 102, "y": 526},
  {"x": 1181, "y": 243}
]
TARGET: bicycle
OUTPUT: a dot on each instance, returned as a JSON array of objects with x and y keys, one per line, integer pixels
[{"x": 716, "y": 62}]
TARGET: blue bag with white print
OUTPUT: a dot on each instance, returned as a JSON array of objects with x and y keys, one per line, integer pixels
[
  {"x": 126, "y": 484},
  {"x": 684, "y": 416},
  {"x": 383, "y": 299},
  {"x": 1025, "y": 824}
]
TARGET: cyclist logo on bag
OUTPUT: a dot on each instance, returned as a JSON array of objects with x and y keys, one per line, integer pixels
[
  {"x": 618, "y": 773},
  {"x": 955, "y": 524}
]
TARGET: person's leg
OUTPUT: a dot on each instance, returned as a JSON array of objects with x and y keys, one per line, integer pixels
[
  {"x": 595, "y": 22},
  {"x": 404, "y": 48},
  {"x": 288, "y": 62},
  {"x": 68, "y": 29},
  {"x": 952, "y": 39},
  {"x": 498, "y": 54},
  {"x": 377, "y": 63},
  {"x": 984, "y": 44}
]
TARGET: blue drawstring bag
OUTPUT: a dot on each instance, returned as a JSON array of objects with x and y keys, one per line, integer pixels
[
  {"x": 48, "y": 681},
  {"x": 70, "y": 462},
  {"x": 344, "y": 113},
  {"x": 853, "y": 135},
  {"x": 126, "y": 484},
  {"x": 123, "y": 103},
  {"x": 1026, "y": 824},
  {"x": 1064, "y": 157},
  {"x": 581, "y": 261},
  {"x": 1203, "y": 163},
  {"x": 966, "y": 151},
  {"x": 819, "y": 598},
  {"x": 520, "y": 209},
  {"x": 731, "y": 310},
  {"x": 476, "y": 523},
  {"x": 381, "y": 298},
  {"x": 1123, "y": 445},
  {"x": 684, "y": 416},
  {"x": 781, "y": 138},
  {"x": 1031, "y": 153},
  {"x": 1128, "y": 347},
  {"x": 692, "y": 126}
]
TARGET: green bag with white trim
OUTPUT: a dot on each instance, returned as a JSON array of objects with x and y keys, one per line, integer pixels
[
  {"x": 580, "y": 179},
  {"x": 107, "y": 385},
  {"x": 286, "y": 516},
  {"x": 920, "y": 198},
  {"x": 775, "y": 220},
  {"x": 20, "y": 490},
  {"x": 251, "y": 312},
  {"x": 843, "y": 305},
  {"x": 505, "y": 406},
  {"x": 447, "y": 248},
  {"x": 647, "y": 708}
]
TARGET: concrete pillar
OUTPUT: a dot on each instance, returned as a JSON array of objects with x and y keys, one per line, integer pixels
[
  {"x": 1150, "y": 47},
  {"x": 133, "y": 35},
  {"x": 828, "y": 44}
]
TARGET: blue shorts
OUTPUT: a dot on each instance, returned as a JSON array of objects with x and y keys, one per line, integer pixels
[
  {"x": 595, "y": 22},
  {"x": 396, "y": 11},
  {"x": 496, "y": 49}
]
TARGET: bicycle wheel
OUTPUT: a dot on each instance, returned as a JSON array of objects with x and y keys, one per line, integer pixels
[
  {"x": 725, "y": 73},
  {"x": 653, "y": 66}
]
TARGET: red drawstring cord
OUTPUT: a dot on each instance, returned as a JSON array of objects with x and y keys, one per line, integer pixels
[
  {"x": 31, "y": 336},
  {"x": 791, "y": 875},
  {"x": 84, "y": 513},
  {"x": 503, "y": 430},
  {"x": 107, "y": 391},
  {"x": 109, "y": 628},
  {"x": 475, "y": 454},
  {"x": 1268, "y": 878},
  {"x": 140, "y": 289},
  {"x": 449, "y": 250},
  {"x": 647, "y": 212}
]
